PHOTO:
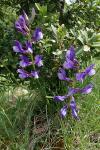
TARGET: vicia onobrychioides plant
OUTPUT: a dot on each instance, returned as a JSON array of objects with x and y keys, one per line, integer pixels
[
  {"x": 28, "y": 56},
  {"x": 71, "y": 64}
]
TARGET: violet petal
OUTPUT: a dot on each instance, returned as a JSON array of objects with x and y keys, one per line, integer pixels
[
  {"x": 87, "y": 89},
  {"x": 37, "y": 35},
  {"x": 63, "y": 111},
  {"x": 60, "y": 98},
  {"x": 38, "y": 60}
]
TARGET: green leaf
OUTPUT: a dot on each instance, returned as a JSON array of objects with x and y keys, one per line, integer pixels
[
  {"x": 96, "y": 44},
  {"x": 38, "y": 6},
  {"x": 54, "y": 29}
]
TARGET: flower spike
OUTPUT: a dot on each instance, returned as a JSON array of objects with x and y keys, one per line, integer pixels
[{"x": 72, "y": 64}]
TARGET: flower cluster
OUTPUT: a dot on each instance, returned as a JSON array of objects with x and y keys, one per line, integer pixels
[
  {"x": 72, "y": 63},
  {"x": 26, "y": 51}
]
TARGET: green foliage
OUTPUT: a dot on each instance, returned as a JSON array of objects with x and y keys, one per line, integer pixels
[
  {"x": 7, "y": 36},
  {"x": 62, "y": 25}
]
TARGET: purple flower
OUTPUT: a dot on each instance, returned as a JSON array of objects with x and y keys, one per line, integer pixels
[
  {"x": 70, "y": 54},
  {"x": 63, "y": 111},
  {"x": 17, "y": 47},
  {"x": 38, "y": 60},
  {"x": 73, "y": 108},
  {"x": 88, "y": 71},
  {"x": 70, "y": 62},
  {"x": 73, "y": 91},
  {"x": 22, "y": 25},
  {"x": 28, "y": 47},
  {"x": 35, "y": 74},
  {"x": 37, "y": 35},
  {"x": 87, "y": 89},
  {"x": 23, "y": 74},
  {"x": 24, "y": 61},
  {"x": 80, "y": 76},
  {"x": 60, "y": 98},
  {"x": 62, "y": 75}
]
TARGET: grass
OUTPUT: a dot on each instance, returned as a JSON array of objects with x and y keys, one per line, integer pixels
[{"x": 29, "y": 122}]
